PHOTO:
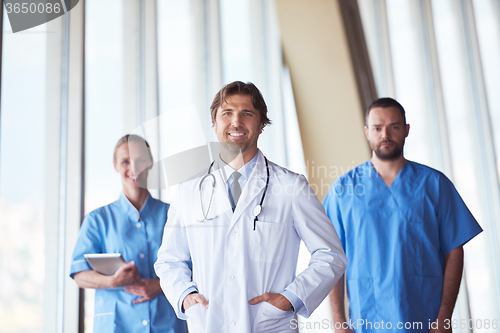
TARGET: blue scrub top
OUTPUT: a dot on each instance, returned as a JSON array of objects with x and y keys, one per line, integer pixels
[
  {"x": 395, "y": 240},
  {"x": 120, "y": 228}
]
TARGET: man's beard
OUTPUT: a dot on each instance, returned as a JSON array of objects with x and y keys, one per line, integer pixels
[
  {"x": 230, "y": 147},
  {"x": 230, "y": 151},
  {"x": 390, "y": 155}
]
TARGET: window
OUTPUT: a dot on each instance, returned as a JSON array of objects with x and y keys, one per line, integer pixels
[
  {"x": 24, "y": 266},
  {"x": 104, "y": 110}
]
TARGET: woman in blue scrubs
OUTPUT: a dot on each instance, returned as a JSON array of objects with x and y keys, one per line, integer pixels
[{"x": 131, "y": 300}]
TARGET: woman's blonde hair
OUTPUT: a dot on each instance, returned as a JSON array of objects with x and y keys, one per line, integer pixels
[{"x": 133, "y": 138}]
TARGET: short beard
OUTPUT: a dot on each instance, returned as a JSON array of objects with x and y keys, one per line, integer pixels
[
  {"x": 231, "y": 148},
  {"x": 392, "y": 155},
  {"x": 230, "y": 151}
]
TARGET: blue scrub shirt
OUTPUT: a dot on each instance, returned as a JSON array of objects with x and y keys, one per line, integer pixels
[
  {"x": 395, "y": 240},
  {"x": 120, "y": 228}
]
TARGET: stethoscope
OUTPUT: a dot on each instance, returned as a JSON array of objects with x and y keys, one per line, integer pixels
[{"x": 256, "y": 211}]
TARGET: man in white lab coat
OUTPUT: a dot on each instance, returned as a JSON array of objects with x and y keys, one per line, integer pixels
[{"x": 244, "y": 267}]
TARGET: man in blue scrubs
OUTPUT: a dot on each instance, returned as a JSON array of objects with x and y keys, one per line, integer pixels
[{"x": 403, "y": 226}]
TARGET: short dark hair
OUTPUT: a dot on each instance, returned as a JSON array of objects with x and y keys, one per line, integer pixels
[
  {"x": 241, "y": 88},
  {"x": 385, "y": 102}
]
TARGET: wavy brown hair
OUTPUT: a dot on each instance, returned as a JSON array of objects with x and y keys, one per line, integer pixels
[{"x": 245, "y": 89}]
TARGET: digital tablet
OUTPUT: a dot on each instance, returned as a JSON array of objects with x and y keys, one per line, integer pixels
[{"x": 105, "y": 263}]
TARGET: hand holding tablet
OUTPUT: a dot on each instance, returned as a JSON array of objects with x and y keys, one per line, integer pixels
[{"x": 105, "y": 263}]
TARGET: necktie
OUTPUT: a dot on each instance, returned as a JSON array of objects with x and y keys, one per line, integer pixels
[{"x": 236, "y": 188}]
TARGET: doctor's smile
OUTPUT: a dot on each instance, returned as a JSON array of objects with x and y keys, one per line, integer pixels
[
  {"x": 236, "y": 134},
  {"x": 246, "y": 266},
  {"x": 238, "y": 122}
]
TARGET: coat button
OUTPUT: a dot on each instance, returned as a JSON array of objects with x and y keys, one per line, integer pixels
[
  {"x": 138, "y": 225},
  {"x": 144, "y": 322},
  {"x": 142, "y": 255}
]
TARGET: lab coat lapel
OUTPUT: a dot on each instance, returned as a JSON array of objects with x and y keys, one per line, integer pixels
[{"x": 254, "y": 187}]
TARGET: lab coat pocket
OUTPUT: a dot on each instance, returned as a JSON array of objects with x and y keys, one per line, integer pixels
[
  {"x": 267, "y": 242},
  {"x": 271, "y": 319},
  {"x": 196, "y": 318}
]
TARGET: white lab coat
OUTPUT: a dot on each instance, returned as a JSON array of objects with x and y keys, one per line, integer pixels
[{"x": 232, "y": 263}]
